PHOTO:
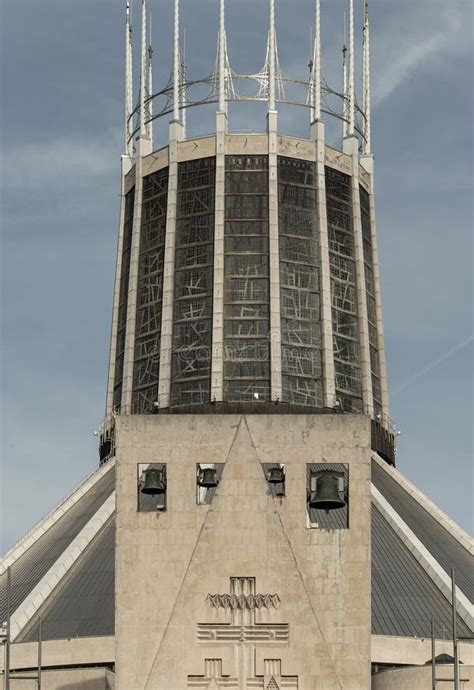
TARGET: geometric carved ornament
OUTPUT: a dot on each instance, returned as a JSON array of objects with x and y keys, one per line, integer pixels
[{"x": 243, "y": 635}]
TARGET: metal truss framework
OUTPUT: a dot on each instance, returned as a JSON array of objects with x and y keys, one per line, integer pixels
[
  {"x": 150, "y": 292},
  {"x": 192, "y": 322},
  {"x": 233, "y": 79},
  {"x": 247, "y": 280},
  {"x": 246, "y": 355},
  {"x": 343, "y": 291},
  {"x": 299, "y": 283}
]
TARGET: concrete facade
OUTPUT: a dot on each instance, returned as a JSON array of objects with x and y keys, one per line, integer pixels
[
  {"x": 67, "y": 679},
  {"x": 315, "y": 633},
  {"x": 420, "y": 678}
]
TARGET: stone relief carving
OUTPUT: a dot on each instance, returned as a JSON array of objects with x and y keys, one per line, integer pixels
[
  {"x": 249, "y": 601},
  {"x": 243, "y": 635}
]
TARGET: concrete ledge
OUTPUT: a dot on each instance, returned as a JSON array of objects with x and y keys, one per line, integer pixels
[
  {"x": 80, "y": 650},
  {"x": 420, "y": 678},
  {"x": 414, "y": 651}
]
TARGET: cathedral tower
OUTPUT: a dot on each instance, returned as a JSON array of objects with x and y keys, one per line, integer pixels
[
  {"x": 247, "y": 384},
  {"x": 247, "y": 265},
  {"x": 247, "y": 527}
]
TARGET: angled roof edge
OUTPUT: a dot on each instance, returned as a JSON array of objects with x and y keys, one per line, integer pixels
[
  {"x": 38, "y": 595},
  {"x": 449, "y": 525},
  {"x": 51, "y": 518},
  {"x": 427, "y": 561}
]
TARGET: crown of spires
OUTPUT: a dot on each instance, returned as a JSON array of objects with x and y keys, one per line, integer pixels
[{"x": 270, "y": 78}]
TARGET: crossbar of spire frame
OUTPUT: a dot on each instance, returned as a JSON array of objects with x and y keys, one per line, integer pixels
[{"x": 233, "y": 96}]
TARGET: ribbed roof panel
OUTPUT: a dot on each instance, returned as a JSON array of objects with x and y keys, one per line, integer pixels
[
  {"x": 439, "y": 542},
  {"x": 31, "y": 566}
]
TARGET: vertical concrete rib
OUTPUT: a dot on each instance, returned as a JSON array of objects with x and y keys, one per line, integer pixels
[
  {"x": 126, "y": 166},
  {"x": 217, "y": 362},
  {"x": 368, "y": 163},
  {"x": 351, "y": 147},
  {"x": 329, "y": 377},
  {"x": 164, "y": 389},
  {"x": 274, "y": 258},
  {"x": 143, "y": 149}
]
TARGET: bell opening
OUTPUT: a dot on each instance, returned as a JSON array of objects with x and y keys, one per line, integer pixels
[
  {"x": 327, "y": 495},
  {"x": 276, "y": 475},
  {"x": 154, "y": 482},
  {"x": 207, "y": 478}
]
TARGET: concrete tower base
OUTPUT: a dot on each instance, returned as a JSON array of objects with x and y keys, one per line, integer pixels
[{"x": 244, "y": 591}]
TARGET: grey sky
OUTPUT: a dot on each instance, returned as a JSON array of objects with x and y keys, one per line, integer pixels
[{"x": 61, "y": 126}]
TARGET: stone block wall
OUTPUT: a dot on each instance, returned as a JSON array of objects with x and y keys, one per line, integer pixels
[{"x": 310, "y": 629}]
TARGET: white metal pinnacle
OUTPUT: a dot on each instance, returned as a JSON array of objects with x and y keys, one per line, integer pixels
[
  {"x": 345, "y": 95},
  {"x": 223, "y": 81},
  {"x": 271, "y": 61},
  {"x": 176, "y": 66},
  {"x": 150, "y": 85},
  {"x": 128, "y": 80},
  {"x": 143, "y": 70},
  {"x": 317, "y": 67},
  {"x": 183, "y": 88},
  {"x": 351, "y": 90},
  {"x": 366, "y": 86},
  {"x": 222, "y": 94}
]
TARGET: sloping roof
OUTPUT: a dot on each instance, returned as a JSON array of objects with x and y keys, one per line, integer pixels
[
  {"x": 404, "y": 596},
  {"x": 34, "y": 563},
  {"x": 84, "y": 605},
  {"x": 440, "y": 543}
]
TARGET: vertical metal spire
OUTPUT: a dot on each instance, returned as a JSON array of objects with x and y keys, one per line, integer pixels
[
  {"x": 345, "y": 108},
  {"x": 176, "y": 61},
  {"x": 128, "y": 78},
  {"x": 271, "y": 58},
  {"x": 366, "y": 84},
  {"x": 317, "y": 63},
  {"x": 143, "y": 71},
  {"x": 351, "y": 89},
  {"x": 183, "y": 88},
  {"x": 150, "y": 84},
  {"x": 222, "y": 94}
]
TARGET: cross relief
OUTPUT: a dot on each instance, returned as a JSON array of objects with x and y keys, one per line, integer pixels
[{"x": 243, "y": 635}]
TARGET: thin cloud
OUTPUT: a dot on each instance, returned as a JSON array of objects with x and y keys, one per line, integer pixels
[
  {"x": 409, "y": 44},
  {"x": 432, "y": 365},
  {"x": 61, "y": 161}
]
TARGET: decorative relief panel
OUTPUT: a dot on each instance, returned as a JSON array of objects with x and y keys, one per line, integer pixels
[
  {"x": 243, "y": 635},
  {"x": 249, "y": 601}
]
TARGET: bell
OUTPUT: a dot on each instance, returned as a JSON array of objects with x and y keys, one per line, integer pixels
[
  {"x": 154, "y": 483},
  {"x": 207, "y": 478},
  {"x": 276, "y": 475},
  {"x": 327, "y": 496}
]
